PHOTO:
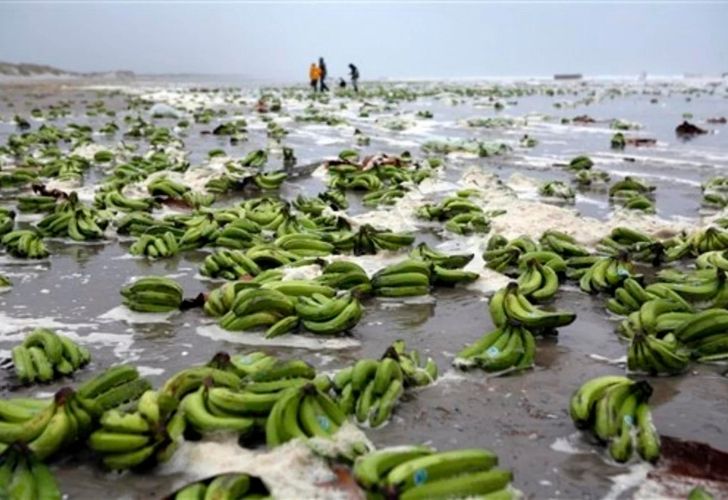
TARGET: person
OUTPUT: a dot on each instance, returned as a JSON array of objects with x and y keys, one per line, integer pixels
[
  {"x": 342, "y": 83},
  {"x": 322, "y": 75},
  {"x": 314, "y": 73},
  {"x": 354, "y": 73}
]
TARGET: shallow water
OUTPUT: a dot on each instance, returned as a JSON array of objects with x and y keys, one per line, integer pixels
[{"x": 523, "y": 418}]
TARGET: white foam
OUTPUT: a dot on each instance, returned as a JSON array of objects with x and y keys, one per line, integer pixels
[{"x": 123, "y": 313}]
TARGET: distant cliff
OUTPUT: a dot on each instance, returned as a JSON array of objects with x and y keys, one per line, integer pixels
[{"x": 22, "y": 71}]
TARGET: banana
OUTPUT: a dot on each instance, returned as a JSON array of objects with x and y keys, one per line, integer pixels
[
  {"x": 387, "y": 370},
  {"x": 365, "y": 403},
  {"x": 104, "y": 441},
  {"x": 466, "y": 485},
  {"x": 386, "y": 403},
  {"x": 57, "y": 432},
  {"x": 371, "y": 469},
  {"x": 242, "y": 403},
  {"x": 115, "y": 421},
  {"x": 48, "y": 341},
  {"x": 606, "y": 411},
  {"x": 344, "y": 321},
  {"x": 647, "y": 439},
  {"x": 436, "y": 466},
  {"x": 228, "y": 487},
  {"x": 197, "y": 415},
  {"x": 111, "y": 378},
  {"x": 23, "y": 363},
  {"x": 43, "y": 367},
  {"x": 45, "y": 484},
  {"x": 585, "y": 398},
  {"x": 620, "y": 448},
  {"x": 130, "y": 459},
  {"x": 363, "y": 372}
]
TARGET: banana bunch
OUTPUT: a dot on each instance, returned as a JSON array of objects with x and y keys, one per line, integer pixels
[
  {"x": 703, "y": 285},
  {"x": 655, "y": 356},
  {"x": 45, "y": 355},
  {"x": 137, "y": 223},
  {"x": 201, "y": 230},
  {"x": 576, "y": 267},
  {"x": 703, "y": 240},
  {"x": 539, "y": 281},
  {"x": 368, "y": 240},
  {"x": 468, "y": 223},
  {"x": 324, "y": 315},
  {"x": 449, "y": 208},
  {"x": 629, "y": 187},
  {"x": 420, "y": 472},
  {"x": 36, "y": 204},
  {"x": 606, "y": 274},
  {"x": 239, "y": 234},
  {"x": 638, "y": 245},
  {"x": 632, "y": 201},
  {"x": 268, "y": 256},
  {"x": 117, "y": 202},
  {"x": 588, "y": 178},
  {"x": 25, "y": 244},
  {"x": 304, "y": 245},
  {"x": 356, "y": 181},
  {"x": 509, "y": 306},
  {"x": 229, "y": 265},
  {"x": 303, "y": 412},
  {"x": 717, "y": 259},
  {"x": 256, "y": 159},
  {"x": 509, "y": 348},
  {"x": 629, "y": 297},
  {"x": 5, "y": 282},
  {"x": 370, "y": 389},
  {"x": 616, "y": 410},
  {"x": 557, "y": 189},
  {"x": 335, "y": 199},
  {"x": 298, "y": 223},
  {"x": 705, "y": 335},
  {"x": 443, "y": 260},
  {"x": 500, "y": 254},
  {"x": 232, "y": 485},
  {"x": 408, "y": 278},
  {"x": 130, "y": 439},
  {"x": 442, "y": 276},
  {"x": 7, "y": 221},
  {"x": 197, "y": 200},
  {"x": 270, "y": 181},
  {"x": 163, "y": 186},
  {"x": 80, "y": 223},
  {"x": 346, "y": 275},
  {"x": 204, "y": 416},
  {"x": 152, "y": 294},
  {"x": 268, "y": 213},
  {"x": 118, "y": 385},
  {"x": 23, "y": 476},
  {"x": 562, "y": 244},
  {"x": 416, "y": 371},
  {"x": 155, "y": 247},
  {"x": 221, "y": 299},
  {"x": 656, "y": 316},
  {"x": 543, "y": 257},
  {"x": 384, "y": 196}
]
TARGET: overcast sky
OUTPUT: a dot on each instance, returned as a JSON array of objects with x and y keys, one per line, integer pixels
[{"x": 384, "y": 39}]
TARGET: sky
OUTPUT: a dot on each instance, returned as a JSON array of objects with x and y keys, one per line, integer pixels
[{"x": 278, "y": 40}]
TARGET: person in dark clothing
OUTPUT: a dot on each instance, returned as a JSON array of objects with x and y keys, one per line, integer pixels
[
  {"x": 354, "y": 74},
  {"x": 322, "y": 75}
]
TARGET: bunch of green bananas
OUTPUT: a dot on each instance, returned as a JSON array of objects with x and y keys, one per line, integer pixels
[
  {"x": 370, "y": 389},
  {"x": 197, "y": 200},
  {"x": 25, "y": 244},
  {"x": 229, "y": 265},
  {"x": 268, "y": 256},
  {"x": 298, "y": 223},
  {"x": 323, "y": 315},
  {"x": 656, "y": 317},
  {"x": 127, "y": 439},
  {"x": 117, "y": 202},
  {"x": 408, "y": 278},
  {"x": 449, "y": 207},
  {"x": 420, "y": 472},
  {"x": 303, "y": 412},
  {"x": 607, "y": 273},
  {"x": 117, "y": 385},
  {"x": 201, "y": 230},
  {"x": 163, "y": 186},
  {"x": 220, "y": 300},
  {"x": 304, "y": 244},
  {"x": 638, "y": 245},
  {"x": 7, "y": 221},
  {"x": 416, "y": 371},
  {"x": 36, "y": 204},
  {"x": 239, "y": 234},
  {"x": 270, "y": 181},
  {"x": 562, "y": 244},
  {"x": 136, "y": 223},
  {"x": 500, "y": 254},
  {"x": 717, "y": 259},
  {"x": 220, "y": 185},
  {"x": 441, "y": 259},
  {"x": 509, "y": 306},
  {"x": 334, "y": 198},
  {"x": 268, "y": 213},
  {"x": 615, "y": 409},
  {"x": 256, "y": 159},
  {"x": 705, "y": 335},
  {"x": 232, "y": 485},
  {"x": 632, "y": 201},
  {"x": 702, "y": 285},
  {"x": 384, "y": 196},
  {"x": 538, "y": 282},
  {"x": 22, "y": 475},
  {"x": 509, "y": 348},
  {"x": 629, "y": 187},
  {"x": 156, "y": 247},
  {"x": 629, "y": 297},
  {"x": 45, "y": 355},
  {"x": 152, "y": 294},
  {"x": 356, "y": 181},
  {"x": 698, "y": 242},
  {"x": 346, "y": 275},
  {"x": 557, "y": 189},
  {"x": 5, "y": 281},
  {"x": 577, "y": 266},
  {"x": 653, "y": 355},
  {"x": 587, "y": 178},
  {"x": 368, "y": 240}
]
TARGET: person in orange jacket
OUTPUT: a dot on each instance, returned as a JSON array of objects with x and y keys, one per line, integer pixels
[{"x": 314, "y": 73}]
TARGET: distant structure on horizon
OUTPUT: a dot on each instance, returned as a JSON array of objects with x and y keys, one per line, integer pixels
[{"x": 567, "y": 76}]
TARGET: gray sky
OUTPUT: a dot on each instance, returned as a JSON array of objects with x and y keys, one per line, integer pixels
[{"x": 385, "y": 40}]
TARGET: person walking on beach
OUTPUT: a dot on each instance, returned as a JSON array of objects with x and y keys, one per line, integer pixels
[
  {"x": 354, "y": 74},
  {"x": 322, "y": 75},
  {"x": 314, "y": 74}
]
